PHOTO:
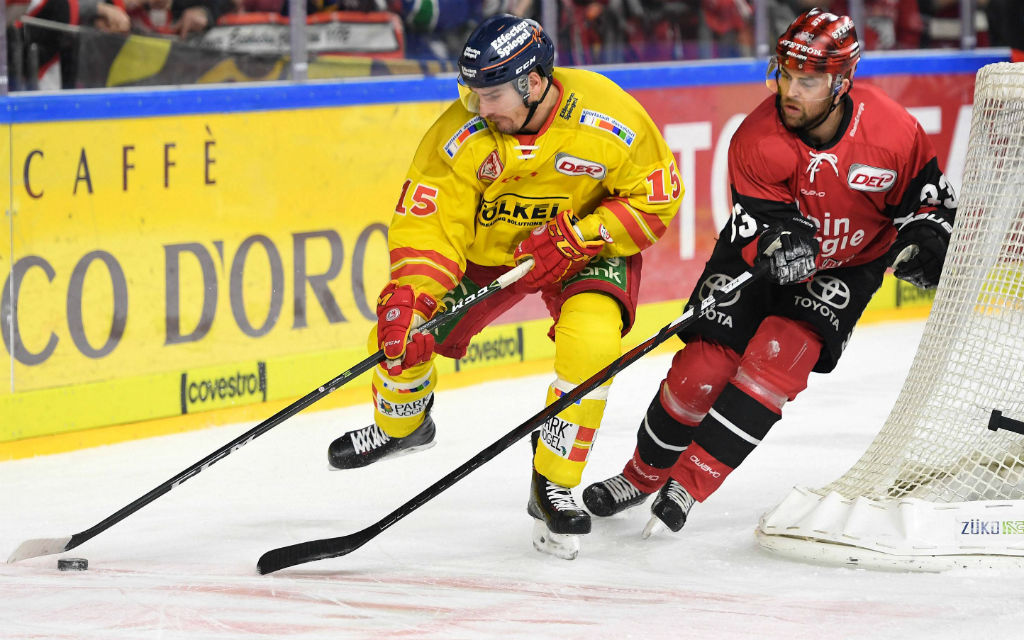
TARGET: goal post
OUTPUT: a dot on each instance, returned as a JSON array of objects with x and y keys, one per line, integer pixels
[{"x": 938, "y": 488}]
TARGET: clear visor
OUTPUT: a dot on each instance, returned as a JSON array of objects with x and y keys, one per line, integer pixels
[
  {"x": 499, "y": 98},
  {"x": 797, "y": 85}
]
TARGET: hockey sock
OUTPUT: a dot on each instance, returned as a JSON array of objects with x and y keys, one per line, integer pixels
[
  {"x": 400, "y": 402},
  {"x": 565, "y": 439},
  {"x": 733, "y": 427},
  {"x": 588, "y": 335},
  {"x": 699, "y": 372},
  {"x": 659, "y": 441}
]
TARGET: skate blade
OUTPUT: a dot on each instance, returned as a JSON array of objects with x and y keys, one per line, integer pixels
[
  {"x": 654, "y": 525},
  {"x": 561, "y": 545}
]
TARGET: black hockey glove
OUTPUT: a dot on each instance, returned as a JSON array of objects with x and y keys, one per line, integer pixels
[
  {"x": 790, "y": 252},
  {"x": 918, "y": 254}
]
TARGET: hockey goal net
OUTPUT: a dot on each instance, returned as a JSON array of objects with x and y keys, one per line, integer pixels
[{"x": 938, "y": 487}]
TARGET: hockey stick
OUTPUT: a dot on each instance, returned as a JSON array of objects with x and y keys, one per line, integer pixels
[
  {"x": 333, "y": 547},
  {"x": 46, "y": 546}
]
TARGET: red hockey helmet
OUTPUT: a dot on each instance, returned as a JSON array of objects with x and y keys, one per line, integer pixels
[{"x": 819, "y": 42}]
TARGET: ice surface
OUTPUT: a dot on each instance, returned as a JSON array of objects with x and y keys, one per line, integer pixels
[{"x": 463, "y": 566}]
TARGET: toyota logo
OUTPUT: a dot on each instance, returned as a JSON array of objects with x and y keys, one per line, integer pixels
[
  {"x": 717, "y": 282},
  {"x": 830, "y": 290}
]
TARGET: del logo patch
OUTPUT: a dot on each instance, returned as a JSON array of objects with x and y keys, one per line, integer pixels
[
  {"x": 490, "y": 168},
  {"x": 609, "y": 124},
  {"x": 573, "y": 166},
  {"x": 865, "y": 178},
  {"x": 475, "y": 125}
]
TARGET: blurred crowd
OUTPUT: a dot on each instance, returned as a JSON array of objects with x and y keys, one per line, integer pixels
[
  {"x": 610, "y": 31},
  {"x": 588, "y": 32}
]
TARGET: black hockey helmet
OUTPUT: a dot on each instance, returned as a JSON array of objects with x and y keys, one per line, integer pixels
[{"x": 505, "y": 48}]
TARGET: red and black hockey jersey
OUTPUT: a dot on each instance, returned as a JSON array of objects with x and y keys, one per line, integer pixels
[{"x": 877, "y": 175}]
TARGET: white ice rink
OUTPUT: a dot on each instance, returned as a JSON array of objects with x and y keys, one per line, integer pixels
[{"x": 462, "y": 566}]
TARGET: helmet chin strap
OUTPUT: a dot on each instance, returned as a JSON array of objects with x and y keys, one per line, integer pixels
[{"x": 533, "y": 105}]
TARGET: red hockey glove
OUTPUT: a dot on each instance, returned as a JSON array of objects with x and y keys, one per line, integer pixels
[
  {"x": 399, "y": 311},
  {"x": 558, "y": 251}
]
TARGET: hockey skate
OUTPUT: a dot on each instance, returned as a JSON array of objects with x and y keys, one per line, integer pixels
[
  {"x": 669, "y": 509},
  {"x": 611, "y": 496},
  {"x": 365, "y": 446},
  {"x": 558, "y": 520}
]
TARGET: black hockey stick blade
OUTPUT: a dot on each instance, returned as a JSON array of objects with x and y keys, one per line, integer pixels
[
  {"x": 998, "y": 421},
  {"x": 47, "y": 546},
  {"x": 303, "y": 552}
]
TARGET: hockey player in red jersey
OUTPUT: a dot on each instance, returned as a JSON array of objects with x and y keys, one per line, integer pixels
[
  {"x": 558, "y": 165},
  {"x": 831, "y": 184}
]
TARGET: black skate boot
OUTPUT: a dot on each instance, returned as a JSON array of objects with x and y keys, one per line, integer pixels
[
  {"x": 611, "y": 496},
  {"x": 365, "y": 446},
  {"x": 558, "y": 520},
  {"x": 670, "y": 508}
]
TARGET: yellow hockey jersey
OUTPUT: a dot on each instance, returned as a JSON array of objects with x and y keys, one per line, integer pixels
[{"x": 473, "y": 193}]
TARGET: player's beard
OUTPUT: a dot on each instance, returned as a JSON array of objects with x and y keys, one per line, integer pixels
[
  {"x": 509, "y": 123},
  {"x": 799, "y": 116},
  {"x": 508, "y": 126}
]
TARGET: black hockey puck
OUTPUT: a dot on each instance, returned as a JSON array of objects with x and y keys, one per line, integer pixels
[{"x": 72, "y": 564}]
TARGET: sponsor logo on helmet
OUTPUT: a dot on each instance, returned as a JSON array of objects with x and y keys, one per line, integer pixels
[
  {"x": 803, "y": 48},
  {"x": 512, "y": 39},
  {"x": 865, "y": 178},
  {"x": 491, "y": 168},
  {"x": 573, "y": 166},
  {"x": 804, "y": 36},
  {"x": 470, "y": 53},
  {"x": 526, "y": 66},
  {"x": 840, "y": 32},
  {"x": 467, "y": 72},
  {"x": 831, "y": 17},
  {"x": 475, "y": 125}
]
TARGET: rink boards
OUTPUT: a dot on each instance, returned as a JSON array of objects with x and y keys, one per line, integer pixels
[{"x": 175, "y": 255}]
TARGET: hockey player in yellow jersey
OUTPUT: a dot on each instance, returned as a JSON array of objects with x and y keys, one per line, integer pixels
[{"x": 558, "y": 165}]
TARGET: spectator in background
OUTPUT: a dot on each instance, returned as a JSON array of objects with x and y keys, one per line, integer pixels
[
  {"x": 729, "y": 23},
  {"x": 181, "y": 18},
  {"x": 1006, "y": 26},
  {"x": 322, "y": 6},
  {"x": 887, "y": 24},
  {"x": 437, "y": 29},
  {"x": 48, "y": 56},
  {"x": 942, "y": 24},
  {"x": 613, "y": 31}
]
